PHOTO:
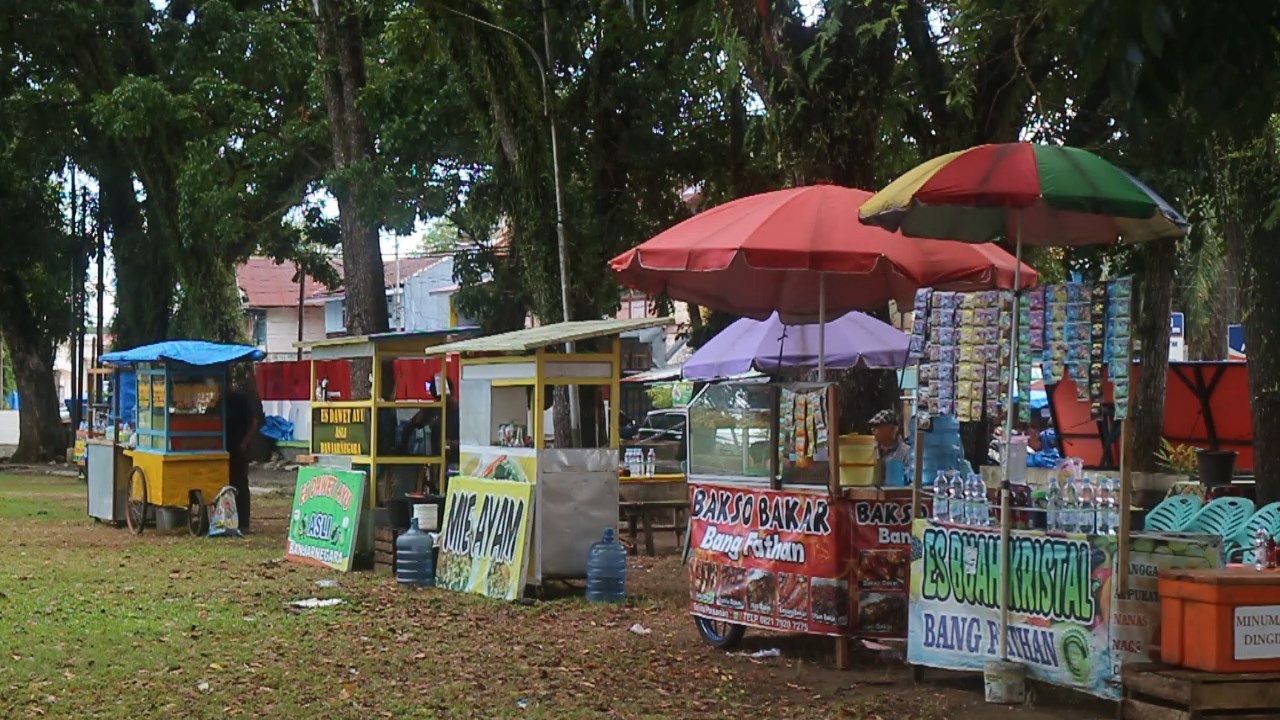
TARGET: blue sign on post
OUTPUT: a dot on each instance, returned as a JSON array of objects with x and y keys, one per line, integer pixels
[
  {"x": 1177, "y": 324},
  {"x": 1235, "y": 342}
]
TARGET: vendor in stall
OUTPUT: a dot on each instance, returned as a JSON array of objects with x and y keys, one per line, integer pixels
[{"x": 891, "y": 449}]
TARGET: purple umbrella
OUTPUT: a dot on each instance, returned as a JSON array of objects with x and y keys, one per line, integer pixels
[{"x": 855, "y": 339}]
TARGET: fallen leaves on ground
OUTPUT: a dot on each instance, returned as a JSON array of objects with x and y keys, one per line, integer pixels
[{"x": 164, "y": 620}]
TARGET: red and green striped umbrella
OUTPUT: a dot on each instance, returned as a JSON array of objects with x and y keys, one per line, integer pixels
[{"x": 1042, "y": 194}]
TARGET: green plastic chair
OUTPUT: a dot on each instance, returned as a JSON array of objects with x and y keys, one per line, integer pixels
[
  {"x": 1172, "y": 514},
  {"x": 1223, "y": 517},
  {"x": 1267, "y": 518}
]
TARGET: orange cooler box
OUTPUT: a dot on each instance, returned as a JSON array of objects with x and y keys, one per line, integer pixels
[{"x": 1223, "y": 620}]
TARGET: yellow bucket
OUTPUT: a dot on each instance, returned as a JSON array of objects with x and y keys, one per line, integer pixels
[
  {"x": 860, "y": 449},
  {"x": 854, "y": 474}
]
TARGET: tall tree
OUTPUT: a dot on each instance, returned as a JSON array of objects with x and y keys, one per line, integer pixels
[
  {"x": 34, "y": 277},
  {"x": 340, "y": 27}
]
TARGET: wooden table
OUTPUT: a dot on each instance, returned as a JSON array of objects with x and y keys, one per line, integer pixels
[{"x": 642, "y": 511}]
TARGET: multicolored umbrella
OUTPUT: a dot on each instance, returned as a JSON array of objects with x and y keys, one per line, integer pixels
[
  {"x": 1060, "y": 195},
  {"x": 1025, "y": 193}
]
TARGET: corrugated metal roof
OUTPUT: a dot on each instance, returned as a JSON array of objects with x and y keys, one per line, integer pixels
[{"x": 529, "y": 339}]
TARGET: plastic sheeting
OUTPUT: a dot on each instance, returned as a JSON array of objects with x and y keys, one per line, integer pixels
[
  {"x": 277, "y": 428},
  {"x": 191, "y": 352}
]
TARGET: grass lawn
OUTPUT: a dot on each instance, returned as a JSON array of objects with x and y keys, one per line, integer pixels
[{"x": 96, "y": 622}]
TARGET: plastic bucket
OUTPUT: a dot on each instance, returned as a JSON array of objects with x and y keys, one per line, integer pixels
[
  {"x": 1004, "y": 682},
  {"x": 856, "y": 448},
  {"x": 857, "y": 474}
]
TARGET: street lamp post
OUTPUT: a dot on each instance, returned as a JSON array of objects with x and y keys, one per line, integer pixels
[{"x": 575, "y": 413}]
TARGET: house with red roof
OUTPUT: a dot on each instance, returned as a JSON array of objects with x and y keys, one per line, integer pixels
[{"x": 420, "y": 297}]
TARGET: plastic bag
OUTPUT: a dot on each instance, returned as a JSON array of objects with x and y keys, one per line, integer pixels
[{"x": 224, "y": 520}]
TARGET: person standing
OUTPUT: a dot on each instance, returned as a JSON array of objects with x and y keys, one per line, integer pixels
[
  {"x": 891, "y": 447},
  {"x": 244, "y": 418}
]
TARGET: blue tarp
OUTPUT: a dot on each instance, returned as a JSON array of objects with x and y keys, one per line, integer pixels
[
  {"x": 191, "y": 352},
  {"x": 12, "y": 400},
  {"x": 277, "y": 428}
]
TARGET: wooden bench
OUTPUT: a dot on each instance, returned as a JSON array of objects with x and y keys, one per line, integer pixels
[{"x": 642, "y": 512}]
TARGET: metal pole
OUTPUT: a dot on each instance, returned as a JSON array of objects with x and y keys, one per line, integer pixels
[
  {"x": 1006, "y": 522},
  {"x": 302, "y": 297},
  {"x": 822, "y": 327},
  {"x": 562, "y": 247},
  {"x": 575, "y": 406},
  {"x": 100, "y": 381}
]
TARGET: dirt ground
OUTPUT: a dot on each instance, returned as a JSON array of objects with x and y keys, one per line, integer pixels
[{"x": 106, "y": 624}]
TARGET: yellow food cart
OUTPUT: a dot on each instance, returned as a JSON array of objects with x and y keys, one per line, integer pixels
[
  {"x": 368, "y": 420},
  {"x": 179, "y": 454},
  {"x": 507, "y": 382}
]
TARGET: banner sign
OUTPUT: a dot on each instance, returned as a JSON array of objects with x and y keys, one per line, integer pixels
[
  {"x": 485, "y": 537},
  {"x": 1135, "y": 615},
  {"x": 340, "y": 431},
  {"x": 800, "y": 561},
  {"x": 325, "y": 517},
  {"x": 1058, "y": 596},
  {"x": 881, "y": 526}
]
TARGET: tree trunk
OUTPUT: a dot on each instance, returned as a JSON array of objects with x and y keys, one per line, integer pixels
[
  {"x": 340, "y": 40},
  {"x": 1151, "y": 331},
  {"x": 1262, "y": 345},
  {"x": 142, "y": 264},
  {"x": 41, "y": 437}
]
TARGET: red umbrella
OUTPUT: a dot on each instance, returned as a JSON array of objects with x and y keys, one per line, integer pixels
[{"x": 773, "y": 252}]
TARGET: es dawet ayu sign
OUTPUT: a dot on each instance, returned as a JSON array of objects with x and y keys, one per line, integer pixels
[
  {"x": 325, "y": 517},
  {"x": 340, "y": 431}
]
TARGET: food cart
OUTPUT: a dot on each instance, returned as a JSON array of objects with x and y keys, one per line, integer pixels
[
  {"x": 506, "y": 387},
  {"x": 179, "y": 460},
  {"x": 378, "y": 406},
  {"x": 777, "y": 541}
]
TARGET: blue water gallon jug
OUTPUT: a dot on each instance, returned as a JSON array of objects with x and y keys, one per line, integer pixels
[
  {"x": 606, "y": 570},
  {"x": 415, "y": 561}
]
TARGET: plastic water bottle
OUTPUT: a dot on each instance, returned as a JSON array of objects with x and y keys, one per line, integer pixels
[
  {"x": 415, "y": 561},
  {"x": 606, "y": 570},
  {"x": 651, "y": 463},
  {"x": 1053, "y": 505},
  {"x": 978, "y": 504},
  {"x": 1260, "y": 549},
  {"x": 1113, "y": 507},
  {"x": 940, "y": 503},
  {"x": 1103, "y": 504},
  {"x": 1088, "y": 521},
  {"x": 958, "y": 511},
  {"x": 1070, "y": 507}
]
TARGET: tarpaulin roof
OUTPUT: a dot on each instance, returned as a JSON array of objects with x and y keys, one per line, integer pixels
[{"x": 190, "y": 352}]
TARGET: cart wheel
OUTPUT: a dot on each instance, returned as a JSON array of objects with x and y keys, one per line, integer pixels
[
  {"x": 197, "y": 514},
  {"x": 718, "y": 633},
  {"x": 136, "y": 514}
]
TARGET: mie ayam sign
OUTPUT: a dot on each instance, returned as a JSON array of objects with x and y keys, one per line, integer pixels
[{"x": 484, "y": 543}]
